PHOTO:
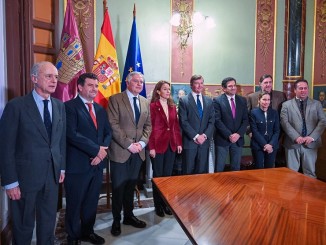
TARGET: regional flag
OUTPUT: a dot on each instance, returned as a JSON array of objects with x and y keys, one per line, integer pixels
[
  {"x": 106, "y": 64},
  {"x": 70, "y": 61},
  {"x": 133, "y": 59}
]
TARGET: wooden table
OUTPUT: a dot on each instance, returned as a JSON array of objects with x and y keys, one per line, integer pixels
[{"x": 269, "y": 206}]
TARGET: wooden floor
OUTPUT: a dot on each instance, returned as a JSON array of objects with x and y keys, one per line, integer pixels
[{"x": 274, "y": 206}]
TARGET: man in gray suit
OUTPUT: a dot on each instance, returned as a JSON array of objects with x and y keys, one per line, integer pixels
[
  {"x": 33, "y": 152},
  {"x": 130, "y": 121},
  {"x": 196, "y": 117},
  {"x": 303, "y": 121}
]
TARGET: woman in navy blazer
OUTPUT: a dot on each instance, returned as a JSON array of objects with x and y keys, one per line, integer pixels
[
  {"x": 165, "y": 138},
  {"x": 265, "y": 126}
]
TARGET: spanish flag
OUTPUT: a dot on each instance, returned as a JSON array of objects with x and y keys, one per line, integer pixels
[{"x": 106, "y": 64}]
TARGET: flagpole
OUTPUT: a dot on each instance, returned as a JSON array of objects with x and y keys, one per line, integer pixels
[
  {"x": 134, "y": 12},
  {"x": 104, "y": 6}
]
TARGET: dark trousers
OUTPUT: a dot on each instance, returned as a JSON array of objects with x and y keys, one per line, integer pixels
[
  {"x": 162, "y": 166},
  {"x": 221, "y": 153},
  {"x": 195, "y": 161},
  {"x": 40, "y": 205},
  {"x": 124, "y": 178},
  {"x": 82, "y": 195},
  {"x": 264, "y": 160}
]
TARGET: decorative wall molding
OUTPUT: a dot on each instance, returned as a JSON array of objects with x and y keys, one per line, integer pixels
[
  {"x": 181, "y": 59},
  {"x": 319, "y": 62},
  {"x": 265, "y": 38}
]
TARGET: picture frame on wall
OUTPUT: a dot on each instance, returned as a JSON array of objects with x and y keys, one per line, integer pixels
[{"x": 319, "y": 93}]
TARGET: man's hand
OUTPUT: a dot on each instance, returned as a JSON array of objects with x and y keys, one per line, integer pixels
[
  {"x": 14, "y": 193},
  {"x": 308, "y": 140},
  {"x": 95, "y": 161},
  {"x": 135, "y": 148},
  {"x": 201, "y": 139},
  {"x": 234, "y": 137},
  {"x": 62, "y": 177},
  {"x": 102, "y": 153},
  {"x": 300, "y": 140}
]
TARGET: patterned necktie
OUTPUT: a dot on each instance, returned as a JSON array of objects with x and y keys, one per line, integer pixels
[
  {"x": 199, "y": 107},
  {"x": 233, "y": 107},
  {"x": 91, "y": 113},
  {"x": 137, "y": 112},
  {"x": 304, "y": 126},
  {"x": 47, "y": 119}
]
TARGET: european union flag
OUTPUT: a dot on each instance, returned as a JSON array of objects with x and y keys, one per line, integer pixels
[{"x": 133, "y": 59}]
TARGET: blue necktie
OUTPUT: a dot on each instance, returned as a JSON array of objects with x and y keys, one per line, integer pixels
[
  {"x": 199, "y": 107},
  {"x": 137, "y": 113},
  {"x": 304, "y": 126},
  {"x": 47, "y": 118}
]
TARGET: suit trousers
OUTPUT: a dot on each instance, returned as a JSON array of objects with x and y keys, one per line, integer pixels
[
  {"x": 195, "y": 161},
  {"x": 162, "y": 166},
  {"x": 82, "y": 195},
  {"x": 221, "y": 153},
  {"x": 124, "y": 178},
  {"x": 42, "y": 205},
  {"x": 262, "y": 159},
  {"x": 302, "y": 156}
]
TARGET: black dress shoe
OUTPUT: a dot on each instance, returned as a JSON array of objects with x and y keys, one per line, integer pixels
[
  {"x": 159, "y": 211},
  {"x": 134, "y": 222},
  {"x": 167, "y": 210},
  {"x": 116, "y": 229},
  {"x": 93, "y": 238},
  {"x": 72, "y": 242}
]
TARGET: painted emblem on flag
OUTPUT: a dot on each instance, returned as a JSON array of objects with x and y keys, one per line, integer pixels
[
  {"x": 70, "y": 60},
  {"x": 107, "y": 71}
]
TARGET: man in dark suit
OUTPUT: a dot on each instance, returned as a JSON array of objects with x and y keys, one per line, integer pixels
[
  {"x": 266, "y": 86},
  {"x": 196, "y": 118},
  {"x": 130, "y": 120},
  {"x": 88, "y": 137},
  {"x": 33, "y": 154},
  {"x": 303, "y": 121},
  {"x": 231, "y": 121}
]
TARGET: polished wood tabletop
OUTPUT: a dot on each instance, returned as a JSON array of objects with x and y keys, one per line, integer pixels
[{"x": 268, "y": 206}]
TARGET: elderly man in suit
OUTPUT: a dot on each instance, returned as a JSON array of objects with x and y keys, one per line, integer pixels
[
  {"x": 303, "y": 121},
  {"x": 130, "y": 120},
  {"x": 196, "y": 118},
  {"x": 33, "y": 154},
  {"x": 231, "y": 121},
  {"x": 88, "y": 137}
]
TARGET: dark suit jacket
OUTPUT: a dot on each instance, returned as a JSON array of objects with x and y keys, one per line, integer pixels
[
  {"x": 259, "y": 126},
  {"x": 125, "y": 130},
  {"x": 291, "y": 122},
  {"x": 225, "y": 125},
  {"x": 164, "y": 132},
  {"x": 277, "y": 98},
  {"x": 25, "y": 149},
  {"x": 190, "y": 122},
  {"x": 83, "y": 139}
]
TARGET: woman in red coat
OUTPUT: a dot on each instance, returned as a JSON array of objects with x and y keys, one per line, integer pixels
[{"x": 165, "y": 139}]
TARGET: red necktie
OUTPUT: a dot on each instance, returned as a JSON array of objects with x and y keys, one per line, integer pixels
[{"x": 91, "y": 113}]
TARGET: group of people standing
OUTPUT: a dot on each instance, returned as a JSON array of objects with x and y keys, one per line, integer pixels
[{"x": 44, "y": 142}]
